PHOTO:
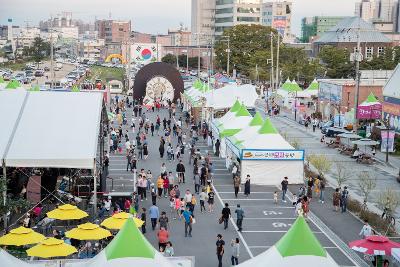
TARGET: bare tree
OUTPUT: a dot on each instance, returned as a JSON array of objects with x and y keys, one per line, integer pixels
[
  {"x": 321, "y": 163},
  {"x": 366, "y": 184},
  {"x": 388, "y": 200},
  {"x": 295, "y": 143},
  {"x": 342, "y": 174}
]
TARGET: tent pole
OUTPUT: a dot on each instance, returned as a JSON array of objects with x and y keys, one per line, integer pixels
[
  {"x": 4, "y": 192},
  {"x": 94, "y": 189}
]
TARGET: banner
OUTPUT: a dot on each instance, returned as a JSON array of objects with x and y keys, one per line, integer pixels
[
  {"x": 387, "y": 140},
  {"x": 266, "y": 154},
  {"x": 369, "y": 112}
]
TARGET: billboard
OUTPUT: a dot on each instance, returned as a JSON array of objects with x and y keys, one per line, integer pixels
[
  {"x": 279, "y": 23},
  {"x": 330, "y": 92}
]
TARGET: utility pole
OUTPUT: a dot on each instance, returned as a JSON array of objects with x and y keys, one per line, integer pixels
[
  {"x": 229, "y": 53},
  {"x": 277, "y": 62},
  {"x": 51, "y": 59},
  {"x": 187, "y": 59},
  {"x": 356, "y": 97},
  {"x": 272, "y": 61},
  {"x": 198, "y": 55},
  {"x": 128, "y": 59}
]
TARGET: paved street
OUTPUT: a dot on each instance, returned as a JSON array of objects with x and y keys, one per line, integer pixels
[
  {"x": 265, "y": 223},
  {"x": 310, "y": 142}
]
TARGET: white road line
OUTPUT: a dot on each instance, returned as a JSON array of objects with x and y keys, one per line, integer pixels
[
  {"x": 252, "y": 199},
  {"x": 269, "y": 218},
  {"x": 270, "y": 246},
  {"x": 269, "y": 208},
  {"x": 251, "y": 192},
  {"x": 233, "y": 223},
  {"x": 275, "y": 231}
]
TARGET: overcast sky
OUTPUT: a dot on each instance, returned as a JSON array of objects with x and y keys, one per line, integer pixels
[{"x": 152, "y": 16}]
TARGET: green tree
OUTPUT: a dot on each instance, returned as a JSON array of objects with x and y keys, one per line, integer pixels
[
  {"x": 13, "y": 205},
  {"x": 246, "y": 42},
  {"x": 39, "y": 49},
  {"x": 169, "y": 58},
  {"x": 337, "y": 62}
]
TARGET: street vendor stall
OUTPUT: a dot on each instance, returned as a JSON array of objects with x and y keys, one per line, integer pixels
[
  {"x": 267, "y": 157},
  {"x": 370, "y": 108}
]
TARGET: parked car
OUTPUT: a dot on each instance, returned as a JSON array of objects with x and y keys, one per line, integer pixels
[
  {"x": 39, "y": 73},
  {"x": 326, "y": 126},
  {"x": 46, "y": 69}
]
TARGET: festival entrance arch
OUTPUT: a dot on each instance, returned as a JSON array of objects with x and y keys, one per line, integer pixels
[
  {"x": 157, "y": 81},
  {"x": 120, "y": 57}
]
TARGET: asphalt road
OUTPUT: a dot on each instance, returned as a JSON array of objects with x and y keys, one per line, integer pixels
[{"x": 265, "y": 222}]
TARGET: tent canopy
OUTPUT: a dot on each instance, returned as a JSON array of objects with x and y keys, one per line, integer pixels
[
  {"x": 314, "y": 85},
  {"x": 50, "y": 129},
  {"x": 224, "y": 97},
  {"x": 371, "y": 100}
]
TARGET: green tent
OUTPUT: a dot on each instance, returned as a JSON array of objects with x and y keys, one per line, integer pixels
[
  {"x": 257, "y": 120},
  {"x": 371, "y": 99},
  {"x": 267, "y": 127},
  {"x": 286, "y": 85},
  {"x": 294, "y": 87},
  {"x": 75, "y": 88},
  {"x": 35, "y": 88},
  {"x": 314, "y": 85},
  {"x": 13, "y": 85}
]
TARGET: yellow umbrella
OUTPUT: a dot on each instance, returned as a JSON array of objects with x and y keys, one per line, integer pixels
[
  {"x": 21, "y": 236},
  {"x": 117, "y": 221},
  {"x": 51, "y": 247},
  {"x": 67, "y": 212},
  {"x": 88, "y": 231}
]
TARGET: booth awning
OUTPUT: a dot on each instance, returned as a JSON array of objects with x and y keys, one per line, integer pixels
[{"x": 49, "y": 129}]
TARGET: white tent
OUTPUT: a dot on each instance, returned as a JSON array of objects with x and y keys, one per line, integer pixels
[
  {"x": 224, "y": 97},
  {"x": 251, "y": 129},
  {"x": 8, "y": 260},
  {"x": 267, "y": 157},
  {"x": 298, "y": 247},
  {"x": 50, "y": 129}
]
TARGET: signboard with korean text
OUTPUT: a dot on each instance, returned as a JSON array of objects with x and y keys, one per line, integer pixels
[
  {"x": 267, "y": 154},
  {"x": 279, "y": 23},
  {"x": 330, "y": 92},
  {"x": 387, "y": 141}
]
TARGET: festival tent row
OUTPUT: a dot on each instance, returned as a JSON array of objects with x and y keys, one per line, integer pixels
[
  {"x": 265, "y": 155},
  {"x": 224, "y": 97},
  {"x": 298, "y": 247}
]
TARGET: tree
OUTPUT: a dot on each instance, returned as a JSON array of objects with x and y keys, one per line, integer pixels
[
  {"x": 13, "y": 205},
  {"x": 169, "y": 58},
  {"x": 39, "y": 49},
  {"x": 366, "y": 184},
  {"x": 337, "y": 62},
  {"x": 389, "y": 199},
  {"x": 245, "y": 43},
  {"x": 342, "y": 174},
  {"x": 321, "y": 163}
]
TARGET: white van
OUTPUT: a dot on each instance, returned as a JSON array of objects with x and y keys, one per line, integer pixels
[{"x": 115, "y": 86}]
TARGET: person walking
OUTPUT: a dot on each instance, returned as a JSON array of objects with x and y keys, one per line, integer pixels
[
  {"x": 154, "y": 214},
  {"x": 163, "y": 237},
  {"x": 211, "y": 196},
  {"x": 235, "y": 251},
  {"x": 188, "y": 217},
  {"x": 196, "y": 183},
  {"x": 343, "y": 199},
  {"x": 145, "y": 151},
  {"x": 160, "y": 186},
  {"x": 322, "y": 190},
  {"x": 220, "y": 249},
  {"x": 129, "y": 161},
  {"x": 226, "y": 214},
  {"x": 217, "y": 146},
  {"x": 284, "y": 186},
  {"x": 163, "y": 221},
  {"x": 202, "y": 197},
  {"x": 366, "y": 230},
  {"x": 152, "y": 129},
  {"x": 247, "y": 186},
  {"x": 143, "y": 218},
  {"x": 236, "y": 185},
  {"x": 180, "y": 169},
  {"x": 239, "y": 217},
  {"x": 336, "y": 199}
]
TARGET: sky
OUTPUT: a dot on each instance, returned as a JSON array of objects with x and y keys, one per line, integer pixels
[{"x": 150, "y": 16}]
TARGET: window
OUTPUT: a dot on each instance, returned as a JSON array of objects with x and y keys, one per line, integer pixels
[
  {"x": 369, "y": 52},
  {"x": 222, "y": 20},
  {"x": 381, "y": 51},
  {"x": 224, "y": 2},
  {"x": 224, "y": 11},
  {"x": 248, "y": 19},
  {"x": 248, "y": 10},
  {"x": 121, "y": 29}
]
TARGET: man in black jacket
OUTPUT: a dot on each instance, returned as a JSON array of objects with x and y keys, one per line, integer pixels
[{"x": 180, "y": 169}]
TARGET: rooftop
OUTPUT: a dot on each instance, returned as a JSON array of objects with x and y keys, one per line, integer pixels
[{"x": 346, "y": 32}]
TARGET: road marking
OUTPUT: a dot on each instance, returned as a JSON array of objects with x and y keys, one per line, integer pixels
[
  {"x": 274, "y": 231},
  {"x": 271, "y": 246},
  {"x": 276, "y": 218},
  {"x": 233, "y": 223},
  {"x": 251, "y": 192},
  {"x": 255, "y": 199}
]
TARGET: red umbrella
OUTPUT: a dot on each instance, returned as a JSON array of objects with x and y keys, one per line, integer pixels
[{"x": 374, "y": 245}]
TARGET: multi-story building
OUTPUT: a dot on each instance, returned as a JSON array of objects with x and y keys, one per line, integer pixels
[
  {"x": 312, "y": 27},
  {"x": 350, "y": 30},
  {"x": 203, "y": 18},
  {"x": 278, "y": 15},
  {"x": 365, "y": 9},
  {"x": 114, "y": 33},
  {"x": 229, "y": 13},
  {"x": 91, "y": 49}
]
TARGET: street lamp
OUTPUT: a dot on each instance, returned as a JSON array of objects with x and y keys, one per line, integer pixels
[{"x": 227, "y": 38}]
